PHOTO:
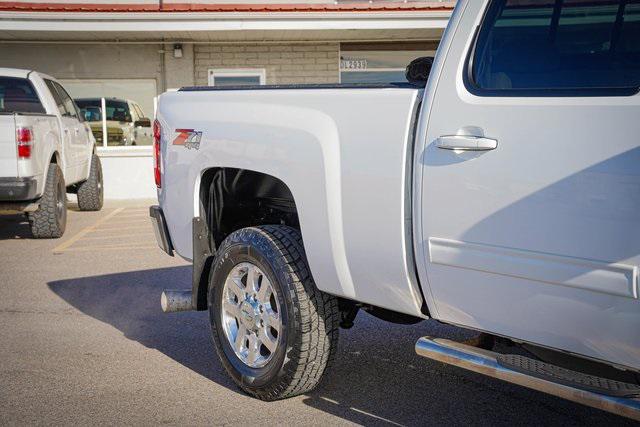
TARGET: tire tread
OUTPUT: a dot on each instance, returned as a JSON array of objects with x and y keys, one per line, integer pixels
[
  {"x": 316, "y": 317},
  {"x": 44, "y": 221},
  {"x": 90, "y": 198}
]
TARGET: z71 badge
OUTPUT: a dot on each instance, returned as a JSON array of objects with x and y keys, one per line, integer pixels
[{"x": 189, "y": 138}]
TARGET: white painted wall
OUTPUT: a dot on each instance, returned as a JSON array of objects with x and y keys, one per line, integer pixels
[{"x": 128, "y": 174}]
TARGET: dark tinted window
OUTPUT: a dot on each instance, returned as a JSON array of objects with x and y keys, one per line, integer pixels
[
  {"x": 86, "y": 103},
  {"x": 90, "y": 109},
  {"x": 66, "y": 100},
  {"x": 116, "y": 110},
  {"x": 574, "y": 45},
  {"x": 18, "y": 95},
  {"x": 57, "y": 98}
]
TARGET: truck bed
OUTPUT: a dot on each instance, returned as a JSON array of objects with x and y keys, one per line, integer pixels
[{"x": 338, "y": 148}]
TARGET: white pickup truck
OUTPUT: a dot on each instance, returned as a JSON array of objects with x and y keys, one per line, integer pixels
[
  {"x": 46, "y": 150},
  {"x": 501, "y": 195}
]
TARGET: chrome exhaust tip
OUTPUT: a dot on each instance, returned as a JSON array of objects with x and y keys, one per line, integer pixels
[{"x": 173, "y": 301}]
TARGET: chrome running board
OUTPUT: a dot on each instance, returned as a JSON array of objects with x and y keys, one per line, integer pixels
[{"x": 485, "y": 362}]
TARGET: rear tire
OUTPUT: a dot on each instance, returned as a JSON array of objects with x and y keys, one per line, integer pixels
[
  {"x": 307, "y": 333},
  {"x": 91, "y": 192},
  {"x": 50, "y": 220}
]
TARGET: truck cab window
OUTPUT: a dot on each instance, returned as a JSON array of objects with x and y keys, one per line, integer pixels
[
  {"x": 17, "y": 95},
  {"x": 118, "y": 111},
  {"x": 554, "y": 45}
]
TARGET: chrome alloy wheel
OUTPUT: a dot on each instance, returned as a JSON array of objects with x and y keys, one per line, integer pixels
[{"x": 251, "y": 315}]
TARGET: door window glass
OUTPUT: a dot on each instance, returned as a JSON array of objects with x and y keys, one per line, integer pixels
[
  {"x": 551, "y": 45},
  {"x": 57, "y": 98},
  {"x": 67, "y": 101}
]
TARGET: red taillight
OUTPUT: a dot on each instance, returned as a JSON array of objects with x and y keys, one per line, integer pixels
[
  {"x": 157, "y": 133},
  {"x": 24, "y": 139}
]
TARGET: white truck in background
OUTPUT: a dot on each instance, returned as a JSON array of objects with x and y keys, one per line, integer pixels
[
  {"x": 46, "y": 150},
  {"x": 499, "y": 191}
]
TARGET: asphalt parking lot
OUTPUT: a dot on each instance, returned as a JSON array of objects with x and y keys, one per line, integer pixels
[{"x": 83, "y": 341}]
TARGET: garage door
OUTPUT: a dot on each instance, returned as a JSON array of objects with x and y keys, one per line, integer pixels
[{"x": 142, "y": 91}]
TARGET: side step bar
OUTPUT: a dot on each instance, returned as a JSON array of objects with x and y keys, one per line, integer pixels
[{"x": 486, "y": 362}]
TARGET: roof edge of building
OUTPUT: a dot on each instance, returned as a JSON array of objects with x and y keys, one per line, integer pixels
[{"x": 21, "y": 6}]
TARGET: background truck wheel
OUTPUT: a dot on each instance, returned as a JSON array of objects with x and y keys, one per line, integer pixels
[
  {"x": 50, "y": 220},
  {"x": 91, "y": 192},
  {"x": 274, "y": 331}
]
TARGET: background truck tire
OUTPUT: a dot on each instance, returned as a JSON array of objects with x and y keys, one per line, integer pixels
[
  {"x": 50, "y": 220},
  {"x": 310, "y": 318},
  {"x": 91, "y": 192}
]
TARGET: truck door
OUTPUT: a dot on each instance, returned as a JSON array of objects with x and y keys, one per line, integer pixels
[
  {"x": 531, "y": 175},
  {"x": 74, "y": 133}
]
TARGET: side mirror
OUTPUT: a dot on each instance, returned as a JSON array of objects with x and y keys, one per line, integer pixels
[
  {"x": 144, "y": 122},
  {"x": 417, "y": 72}
]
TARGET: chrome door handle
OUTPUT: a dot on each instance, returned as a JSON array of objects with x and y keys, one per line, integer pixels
[{"x": 466, "y": 143}]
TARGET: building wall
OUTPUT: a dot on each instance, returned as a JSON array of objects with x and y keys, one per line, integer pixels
[
  {"x": 179, "y": 72},
  {"x": 86, "y": 61},
  {"x": 284, "y": 63}
]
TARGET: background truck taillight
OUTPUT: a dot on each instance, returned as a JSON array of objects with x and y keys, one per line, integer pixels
[
  {"x": 24, "y": 139},
  {"x": 157, "y": 133}
]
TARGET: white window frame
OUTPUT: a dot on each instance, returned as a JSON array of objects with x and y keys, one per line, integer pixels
[{"x": 261, "y": 73}]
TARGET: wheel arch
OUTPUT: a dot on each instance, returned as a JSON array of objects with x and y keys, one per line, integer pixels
[
  {"x": 229, "y": 199},
  {"x": 55, "y": 158}
]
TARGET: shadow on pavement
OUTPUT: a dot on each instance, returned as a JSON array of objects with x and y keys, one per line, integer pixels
[
  {"x": 17, "y": 226},
  {"x": 131, "y": 303},
  {"x": 376, "y": 379},
  {"x": 14, "y": 227}
]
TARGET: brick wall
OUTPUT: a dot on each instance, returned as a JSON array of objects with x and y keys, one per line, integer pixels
[{"x": 284, "y": 63}]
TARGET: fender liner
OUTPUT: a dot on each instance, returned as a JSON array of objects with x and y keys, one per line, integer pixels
[{"x": 203, "y": 255}]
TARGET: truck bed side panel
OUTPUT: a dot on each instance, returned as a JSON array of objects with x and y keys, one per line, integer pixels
[
  {"x": 46, "y": 134},
  {"x": 341, "y": 152},
  {"x": 8, "y": 149}
]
